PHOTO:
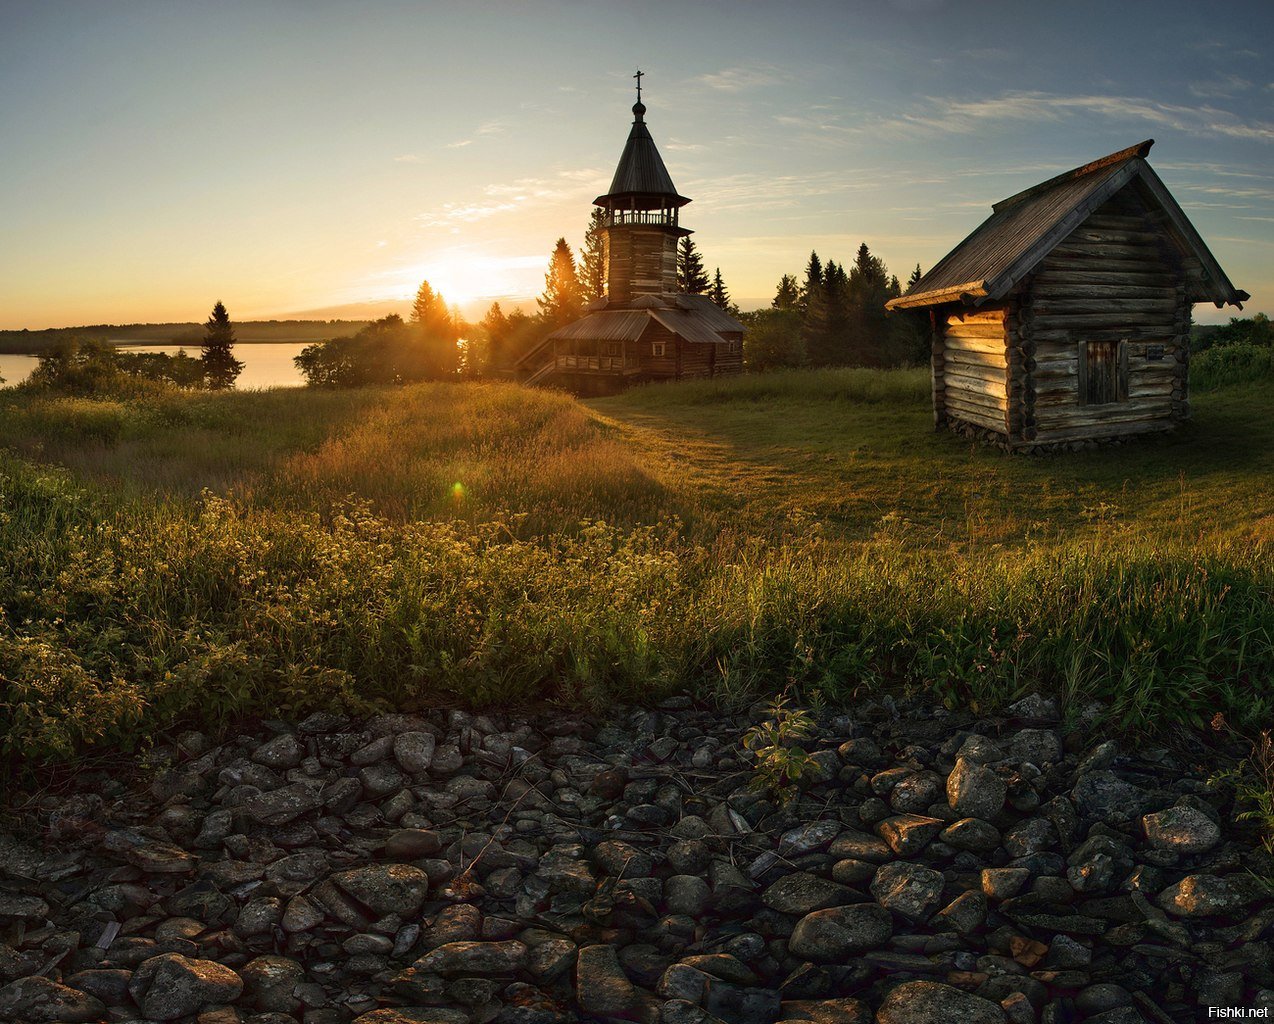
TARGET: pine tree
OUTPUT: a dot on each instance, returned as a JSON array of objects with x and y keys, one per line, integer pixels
[
  {"x": 813, "y": 280},
  {"x": 436, "y": 332},
  {"x": 494, "y": 330},
  {"x": 720, "y": 295},
  {"x": 592, "y": 262},
  {"x": 562, "y": 301},
  {"x": 914, "y": 279},
  {"x": 788, "y": 295},
  {"x": 220, "y": 367},
  {"x": 691, "y": 278}
]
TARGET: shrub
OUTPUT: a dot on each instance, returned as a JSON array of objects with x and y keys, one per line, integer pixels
[{"x": 1222, "y": 366}]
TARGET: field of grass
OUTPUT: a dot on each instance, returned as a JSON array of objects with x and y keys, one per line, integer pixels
[{"x": 196, "y": 558}]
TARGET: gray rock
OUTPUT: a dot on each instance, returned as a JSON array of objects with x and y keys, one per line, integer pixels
[
  {"x": 412, "y": 844},
  {"x": 912, "y": 890},
  {"x": 827, "y": 936},
  {"x": 170, "y": 985},
  {"x": 1004, "y": 883},
  {"x": 1107, "y": 797},
  {"x": 1036, "y": 746},
  {"x": 601, "y": 986},
  {"x": 414, "y": 751},
  {"x": 1034, "y": 835},
  {"x": 928, "y": 1002},
  {"x": 1183, "y": 830},
  {"x": 270, "y": 983},
  {"x": 966, "y": 913},
  {"x": 974, "y": 791},
  {"x": 279, "y": 806},
  {"x": 1200, "y": 896},
  {"x": 687, "y": 894},
  {"x": 802, "y": 893},
  {"x": 37, "y": 999},
  {"x": 971, "y": 834},
  {"x": 284, "y": 751},
  {"x": 480, "y": 958},
  {"x": 386, "y": 888},
  {"x": 908, "y": 834},
  {"x": 412, "y": 1015}
]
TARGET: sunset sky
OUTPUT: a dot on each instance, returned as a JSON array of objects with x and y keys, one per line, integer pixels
[{"x": 289, "y": 156}]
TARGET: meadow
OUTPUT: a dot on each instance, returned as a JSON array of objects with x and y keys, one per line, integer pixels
[{"x": 192, "y": 559}]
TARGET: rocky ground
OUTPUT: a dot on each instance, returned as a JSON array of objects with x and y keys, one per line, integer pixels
[{"x": 461, "y": 869}]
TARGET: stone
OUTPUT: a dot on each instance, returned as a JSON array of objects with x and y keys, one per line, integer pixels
[
  {"x": 23, "y": 908},
  {"x": 412, "y": 844},
  {"x": 1039, "y": 747},
  {"x": 37, "y": 999},
  {"x": 972, "y": 834},
  {"x": 170, "y": 985},
  {"x": 802, "y": 893},
  {"x": 1182, "y": 830},
  {"x": 1034, "y": 835},
  {"x": 827, "y": 936},
  {"x": 280, "y": 806},
  {"x": 908, "y": 834},
  {"x": 284, "y": 751},
  {"x": 912, "y": 890},
  {"x": 413, "y": 1015},
  {"x": 414, "y": 751},
  {"x": 930, "y": 1002},
  {"x": 386, "y": 888},
  {"x": 845, "y": 1010},
  {"x": 966, "y": 913},
  {"x": 860, "y": 846},
  {"x": 601, "y": 986},
  {"x": 480, "y": 958},
  {"x": 1103, "y": 795},
  {"x": 1004, "y": 883},
  {"x": 686, "y": 894},
  {"x": 974, "y": 791},
  {"x": 1200, "y": 896},
  {"x": 270, "y": 983}
]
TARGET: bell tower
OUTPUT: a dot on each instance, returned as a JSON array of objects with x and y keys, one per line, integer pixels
[{"x": 641, "y": 218}]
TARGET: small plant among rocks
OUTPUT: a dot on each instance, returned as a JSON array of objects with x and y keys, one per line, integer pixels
[
  {"x": 781, "y": 762},
  {"x": 1253, "y": 781}
]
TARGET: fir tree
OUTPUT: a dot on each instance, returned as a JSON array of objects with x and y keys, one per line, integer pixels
[
  {"x": 562, "y": 301},
  {"x": 813, "y": 280},
  {"x": 592, "y": 262},
  {"x": 788, "y": 295},
  {"x": 220, "y": 367},
  {"x": 691, "y": 278},
  {"x": 720, "y": 295},
  {"x": 914, "y": 279},
  {"x": 434, "y": 353}
]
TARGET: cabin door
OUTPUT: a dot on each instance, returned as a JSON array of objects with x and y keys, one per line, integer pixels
[{"x": 1103, "y": 372}]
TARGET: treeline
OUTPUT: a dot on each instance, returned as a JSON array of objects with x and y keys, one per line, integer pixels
[
  {"x": 1235, "y": 353},
  {"x": 835, "y": 317},
  {"x": 28, "y": 342},
  {"x": 92, "y": 367}
]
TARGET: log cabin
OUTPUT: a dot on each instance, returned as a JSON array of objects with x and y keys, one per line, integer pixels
[
  {"x": 642, "y": 329},
  {"x": 1065, "y": 317}
]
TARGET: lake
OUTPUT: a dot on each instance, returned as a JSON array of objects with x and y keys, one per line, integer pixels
[{"x": 266, "y": 364}]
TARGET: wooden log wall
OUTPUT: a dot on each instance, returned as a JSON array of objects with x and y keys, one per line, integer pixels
[
  {"x": 1113, "y": 279},
  {"x": 639, "y": 261},
  {"x": 972, "y": 369},
  {"x": 936, "y": 349}
]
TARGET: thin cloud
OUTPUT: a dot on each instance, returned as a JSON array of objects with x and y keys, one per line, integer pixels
[
  {"x": 738, "y": 79},
  {"x": 1222, "y": 87},
  {"x": 939, "y": 115}
]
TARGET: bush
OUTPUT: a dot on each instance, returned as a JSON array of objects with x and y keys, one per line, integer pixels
[
  {"x": 773, "y": 340},
  {"x": 1231, "y": 364},
  {"x": 388, "y": 351}
]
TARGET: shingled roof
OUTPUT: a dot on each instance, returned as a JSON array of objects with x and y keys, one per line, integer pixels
[
  {"x": 1024, "y": 228},
  {"x": 641, "y": 174}
]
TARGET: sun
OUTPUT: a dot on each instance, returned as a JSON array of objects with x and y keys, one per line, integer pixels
[{"x": 465, "y": 278}]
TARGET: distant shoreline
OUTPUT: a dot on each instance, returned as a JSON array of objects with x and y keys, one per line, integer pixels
[{"x": 249, "y": 332}]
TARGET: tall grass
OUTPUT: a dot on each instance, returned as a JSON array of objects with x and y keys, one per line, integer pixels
[{"x": 335, "y": 563}]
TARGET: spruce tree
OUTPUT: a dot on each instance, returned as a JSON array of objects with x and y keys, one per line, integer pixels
[
  {"x": 788, "y": 295},
  {"x": 813, "y": 280},
  {"x": 691, "y": 278},
  {"x": 436, "y": 333},
  {"x": 562, "y": 301},
  {"x": 592, "y": 262},
  {"x": 720, "y": 295},
  {"x": 220, "y": 367},
  {"x": 914, "y": 279}
]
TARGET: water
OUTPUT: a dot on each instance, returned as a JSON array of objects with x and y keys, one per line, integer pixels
[{"x": 266, "y": 364}]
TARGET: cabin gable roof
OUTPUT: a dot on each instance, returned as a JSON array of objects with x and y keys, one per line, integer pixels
[{"x": 1025, "y": 228}]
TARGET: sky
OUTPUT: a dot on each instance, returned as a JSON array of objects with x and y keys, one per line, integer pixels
[{"x": 290, "y": 156}]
